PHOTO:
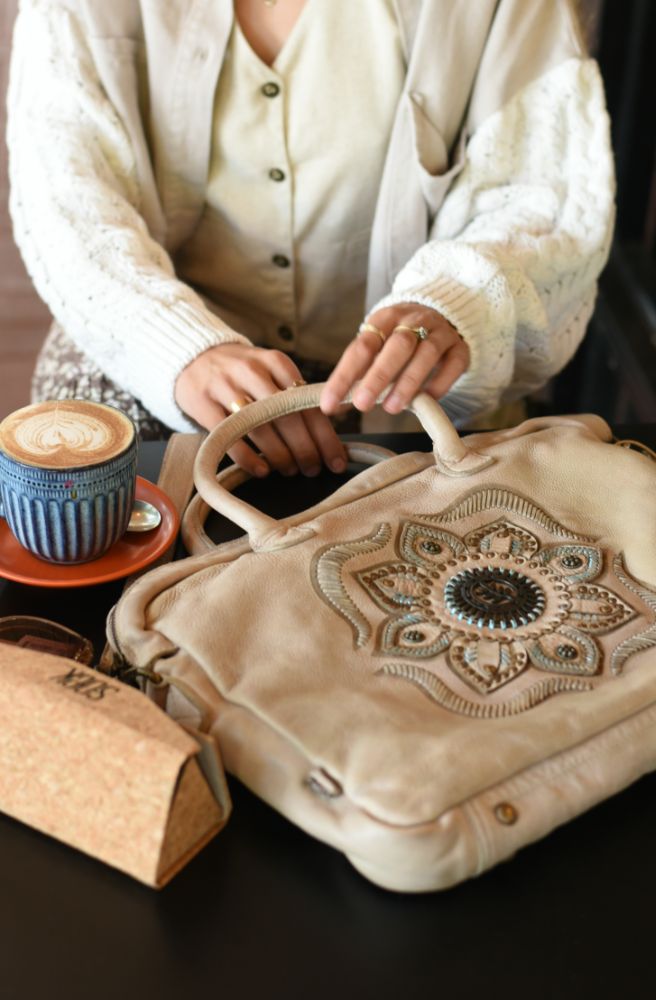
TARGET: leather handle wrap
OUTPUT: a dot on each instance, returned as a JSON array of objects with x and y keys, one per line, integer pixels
[{"x": 451, "y": 456}]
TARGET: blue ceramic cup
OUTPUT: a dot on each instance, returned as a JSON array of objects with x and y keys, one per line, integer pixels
[{"x": 68, "y": 473}]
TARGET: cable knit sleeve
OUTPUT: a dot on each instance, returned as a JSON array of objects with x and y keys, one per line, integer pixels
[
  {"x": 74, "y": 199},
  {"x": 521, "y": 238}
]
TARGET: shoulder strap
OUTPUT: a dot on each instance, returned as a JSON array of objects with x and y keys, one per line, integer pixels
[{"x": 176, "y": 473}]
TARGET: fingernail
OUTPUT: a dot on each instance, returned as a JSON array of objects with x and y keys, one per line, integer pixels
[
  {"x": 393, "y": 404},
  {"x": 363, "y": 399},
  {"x": 261, "y": 470},
  {"x": 338, "y": 465},
  {"x": 312, "y": 470},
  {"x": 329, "y": 401}
]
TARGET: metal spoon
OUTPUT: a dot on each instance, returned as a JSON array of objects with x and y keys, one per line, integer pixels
[{"x": 144, "y": 516}]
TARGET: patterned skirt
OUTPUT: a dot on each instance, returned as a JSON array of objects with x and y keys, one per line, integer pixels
[{"x": 63, "y": 371}]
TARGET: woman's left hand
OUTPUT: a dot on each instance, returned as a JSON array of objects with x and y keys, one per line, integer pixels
[{"x": 409, "y": 347}]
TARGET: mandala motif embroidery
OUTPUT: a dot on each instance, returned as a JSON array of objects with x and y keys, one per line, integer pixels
[{"x": 495, "y": 603}]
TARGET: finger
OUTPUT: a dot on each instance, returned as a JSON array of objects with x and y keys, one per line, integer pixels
[
  {"x": 291, "y": 430},
  {"x": 453, "y": 364},
  {"x": 213, "y": 413},
  {"x": 274, "y": 449},
  {"x": 249, "y": 460},
  {"x": 325, "y": 437},
  {"x": 414, "y": 375},
  {"x": 327, "y": 445},
  {"x": 354, "y": 362},
  {"x": 296, "y": 435},
  {"x": 265, "y": 438},
  {"x": 390, "y": 361},
  {"x": 207, "y": 412},
  {"x": 282, "y": 369}
]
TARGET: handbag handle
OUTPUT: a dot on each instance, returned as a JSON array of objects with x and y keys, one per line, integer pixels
[
  {"x": 196, "y": 540},
  {"x": 452, "y": 457}
]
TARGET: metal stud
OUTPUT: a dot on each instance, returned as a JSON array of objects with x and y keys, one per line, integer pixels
[
  {"x": 413, "y": 635},
  {"x": 572, "y": 562},
  {"x": 506, "y": 813}
]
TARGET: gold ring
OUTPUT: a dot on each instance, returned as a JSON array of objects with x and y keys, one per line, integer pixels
[
  {"x": 296, "y": 383},
  {"x": 238, "y": 404},
  {"x": 370, "y": 328},
  {"x": 420, "y": 332}
]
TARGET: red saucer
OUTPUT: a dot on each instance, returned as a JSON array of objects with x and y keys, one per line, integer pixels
[{"x": 132, "y": 552}]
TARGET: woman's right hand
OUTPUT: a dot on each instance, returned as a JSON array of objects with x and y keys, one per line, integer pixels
[{"x": 232, "y": 373}]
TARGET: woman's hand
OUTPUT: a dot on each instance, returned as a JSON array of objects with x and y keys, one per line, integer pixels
[
  {"x": 237, "y": 374},
  {"x": 389, "y": 352}
]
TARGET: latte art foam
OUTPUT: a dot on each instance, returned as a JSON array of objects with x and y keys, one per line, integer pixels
[{"x": 65, "y": 434}]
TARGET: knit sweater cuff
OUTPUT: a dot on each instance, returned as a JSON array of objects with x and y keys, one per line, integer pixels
[
  {"x": 469, "y": 310},
  {"x": 175, "y": 336}
]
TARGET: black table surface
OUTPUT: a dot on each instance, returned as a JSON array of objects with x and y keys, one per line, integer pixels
[{"x": 267, "y": 911}]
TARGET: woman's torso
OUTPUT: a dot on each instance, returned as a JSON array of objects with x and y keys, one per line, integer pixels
[{"x": 297, "y": 155}]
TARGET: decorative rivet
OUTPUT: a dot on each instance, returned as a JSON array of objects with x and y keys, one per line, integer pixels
[
  {"x": 572, "y": 562},
  {"x": 567, "y": 652},
  {"x": 413, "y": 635},
  {"x": 506, "y": 813}
]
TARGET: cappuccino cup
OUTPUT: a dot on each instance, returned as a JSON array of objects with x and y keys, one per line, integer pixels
[{"x": 68, "y": 472}]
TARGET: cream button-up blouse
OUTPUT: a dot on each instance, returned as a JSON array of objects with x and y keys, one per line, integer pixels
[{"x": 297, "y": 155}]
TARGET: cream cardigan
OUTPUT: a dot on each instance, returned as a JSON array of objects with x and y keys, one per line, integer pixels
[{"x": 109, "y": 130}]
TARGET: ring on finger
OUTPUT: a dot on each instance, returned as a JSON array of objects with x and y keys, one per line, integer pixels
[
  {"x": 370, "y": 328},
  {"x": 295, "y": 384},
  {"x": 420, "y": 332},
  {"x": 238, "y": 404}
]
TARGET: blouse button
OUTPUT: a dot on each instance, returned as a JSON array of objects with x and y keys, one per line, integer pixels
[
  {"x": 276, "y": 174},
  {"x": 280, "y": 260},
  {"x": 285, "y": 333},
  {"x": 270, "y": 89}
]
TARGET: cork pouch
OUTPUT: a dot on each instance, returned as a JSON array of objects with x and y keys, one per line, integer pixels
[{"x": 96, "y": 764}]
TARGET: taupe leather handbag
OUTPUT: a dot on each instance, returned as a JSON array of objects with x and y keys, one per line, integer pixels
[{"x": 437, "y": 665}]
